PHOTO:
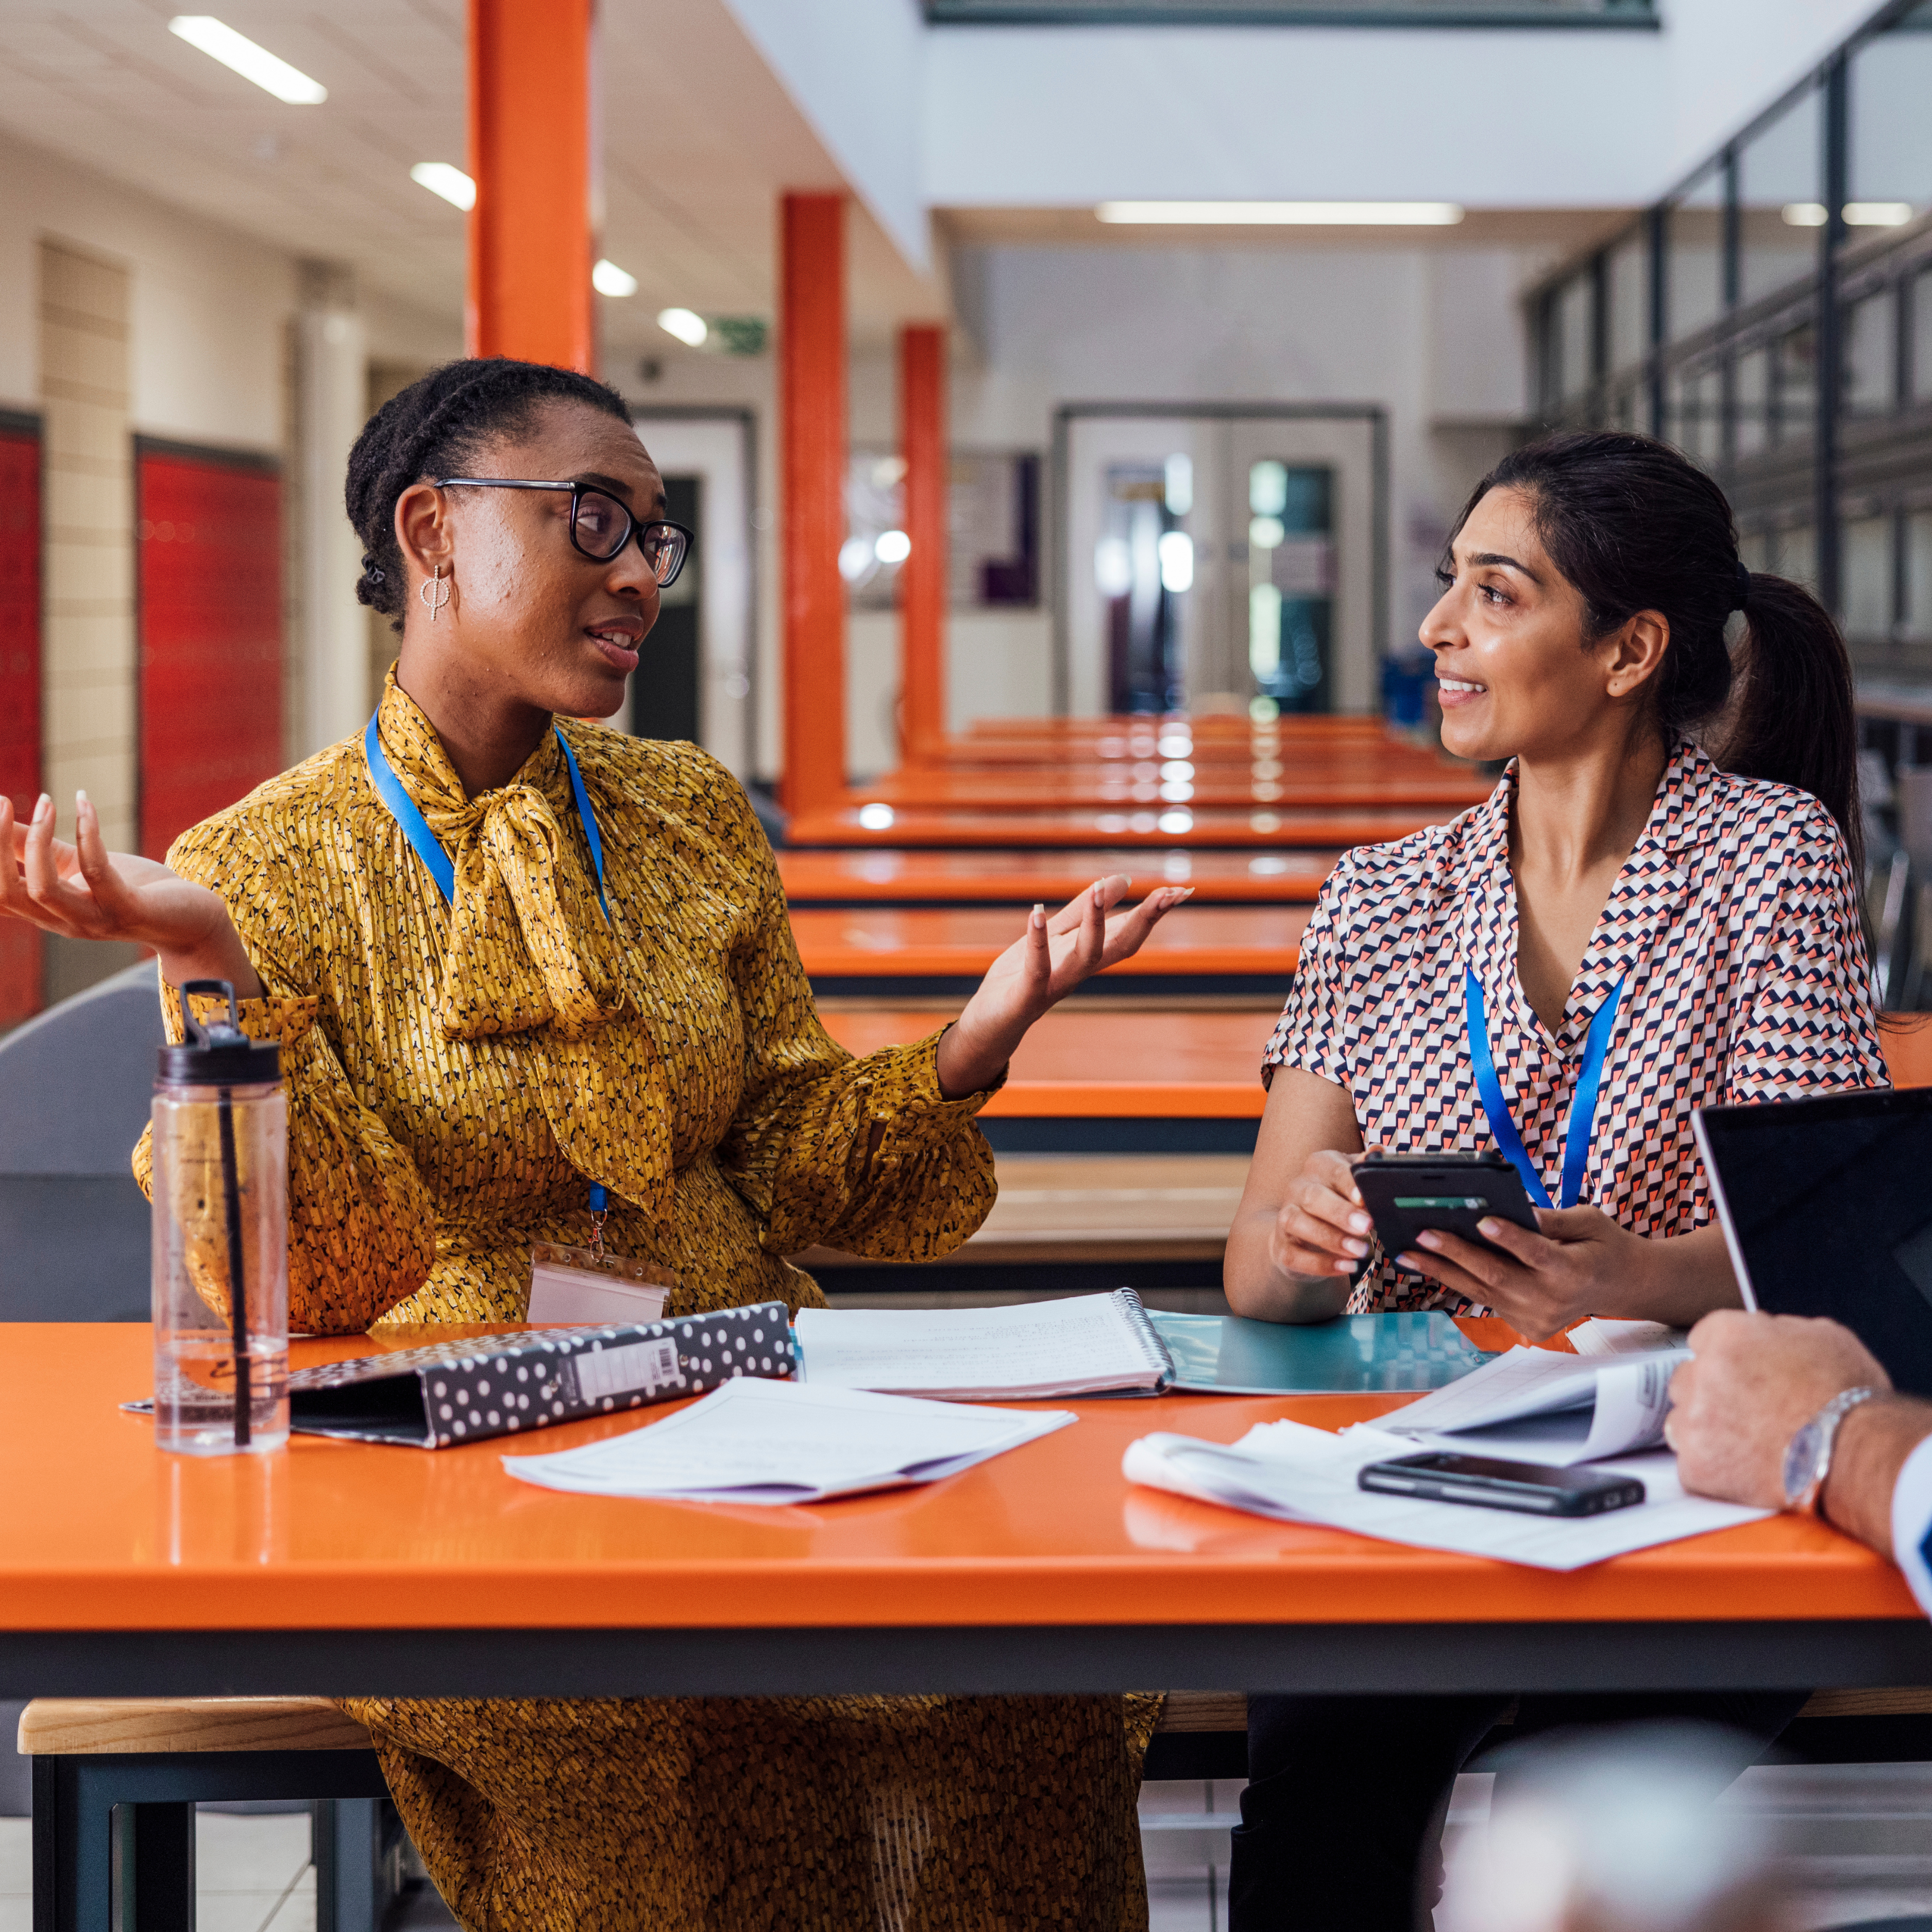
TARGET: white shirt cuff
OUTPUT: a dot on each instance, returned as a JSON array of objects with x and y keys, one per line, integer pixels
[{"x": 1912, "y": 1522}]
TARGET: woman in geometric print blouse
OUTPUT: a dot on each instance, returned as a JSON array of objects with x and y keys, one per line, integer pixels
[
  {"x": 1710, "y": 890},
  {"x": 1580, "y": 635}
]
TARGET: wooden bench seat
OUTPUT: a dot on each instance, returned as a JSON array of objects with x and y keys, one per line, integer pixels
[{"x": 81, "y": 1726}]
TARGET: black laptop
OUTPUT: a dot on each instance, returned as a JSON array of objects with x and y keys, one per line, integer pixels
[{"x": 1827, "y": 1208}]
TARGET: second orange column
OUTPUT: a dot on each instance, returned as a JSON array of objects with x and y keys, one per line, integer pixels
[
  {"x": 811, "y": 456},
  {"x": 922, "y": 584}
]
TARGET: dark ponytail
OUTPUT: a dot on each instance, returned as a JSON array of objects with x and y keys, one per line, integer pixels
[
  {"x": 1636, "y": 525},
  {"x": 432, "y": 428}
]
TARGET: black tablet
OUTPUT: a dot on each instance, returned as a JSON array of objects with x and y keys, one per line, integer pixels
[
  {"x": 1827, "y": 1208},
  {"x": 1409, "y": 1194}
]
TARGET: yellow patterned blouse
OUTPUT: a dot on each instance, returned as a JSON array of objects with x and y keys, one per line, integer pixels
[{"x": 458, "y": 1075}]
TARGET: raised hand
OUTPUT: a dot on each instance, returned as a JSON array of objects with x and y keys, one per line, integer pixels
[
  {"x": 83, "y": 891},
  {"x": 1043, "y": 966}
]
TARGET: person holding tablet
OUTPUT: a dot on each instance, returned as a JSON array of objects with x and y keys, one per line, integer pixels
[
  {"x": 534, "y": 981},
  {"x": 1657, "y": 909}
]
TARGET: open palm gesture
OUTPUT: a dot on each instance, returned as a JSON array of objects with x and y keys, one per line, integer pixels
[
  {"x": 1051, "y": 958},
  {"x": 83, "y": 891}
]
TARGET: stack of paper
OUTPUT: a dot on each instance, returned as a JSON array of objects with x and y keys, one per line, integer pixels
[
  {"x": 1536, "y": 1405},
  {"x": 1079, "y": 1345},
  {"x": 1299, "y": 1474},
  {"x": 774, "y": 1442},
  {"x": 1606, "y": 1335}
]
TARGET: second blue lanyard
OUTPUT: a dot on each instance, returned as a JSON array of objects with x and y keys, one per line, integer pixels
[{"x": 1582, "y": 1126}]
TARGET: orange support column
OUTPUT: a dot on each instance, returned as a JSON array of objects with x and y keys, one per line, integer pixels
[
  {"x": 922, "y": 581},
  {"x": 530, "y": 244},
  {"x": 811, "y": 437}
]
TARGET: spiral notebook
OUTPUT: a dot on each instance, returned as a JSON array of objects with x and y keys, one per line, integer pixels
[{"x": 1084, "y": 1345}]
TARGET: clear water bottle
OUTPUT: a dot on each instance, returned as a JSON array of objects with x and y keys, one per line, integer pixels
[{"x": 221, "y": 1248}]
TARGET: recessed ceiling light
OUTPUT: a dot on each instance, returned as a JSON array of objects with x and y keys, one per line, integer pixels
[
  {"x": 220, "y": 42},
  {"x": 607, "y": 279},
  {"x": 686, "y": 324},
  {"x": 452, "y": 184},
  {"x": 1284, "y": 213}
]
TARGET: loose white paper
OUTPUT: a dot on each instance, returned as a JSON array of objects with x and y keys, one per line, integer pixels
[
  {"x": 1537, "y": 1406},
  {"x": 1606, "y": 1335},
  {"x": 1294, "y": 1474},
  {"x": 1077, "y": 1344},
  {"x": 757, "y": 1441}
]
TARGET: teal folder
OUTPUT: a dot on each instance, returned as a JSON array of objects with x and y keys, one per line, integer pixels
[{"x": 1355, "y": 1354}]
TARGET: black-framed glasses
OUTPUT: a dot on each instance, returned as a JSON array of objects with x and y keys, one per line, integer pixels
[{"x": 601, "y": 526}]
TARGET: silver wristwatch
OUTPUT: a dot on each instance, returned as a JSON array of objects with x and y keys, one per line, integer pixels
[{"x": 1808, "y": 1461}]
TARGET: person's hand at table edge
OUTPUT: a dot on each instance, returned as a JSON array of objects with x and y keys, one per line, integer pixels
[
  {"x": 1579, "y": 1261},
  {"x": 83, "y": 891},
  {"x": 1053, "y": 956},
  {"x": 1754, "y": 1381}
]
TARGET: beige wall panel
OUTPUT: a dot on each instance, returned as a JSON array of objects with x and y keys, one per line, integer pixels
[
  {"x": 89, "y": 646},
  {"x": 89, "y": 574}
]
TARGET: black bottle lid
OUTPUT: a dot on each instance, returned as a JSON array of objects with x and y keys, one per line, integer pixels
[{"x": 220, "y": 1054}]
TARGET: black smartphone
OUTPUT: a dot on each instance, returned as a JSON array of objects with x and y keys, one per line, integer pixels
[
  {"x": 1490, "y": 1483},
  {"x": 1409, "y": 1194}
]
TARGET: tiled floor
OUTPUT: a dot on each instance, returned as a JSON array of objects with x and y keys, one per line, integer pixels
[
  {"x": 1856, "y": 1844},
  {"x": 253, "y": 1874}
]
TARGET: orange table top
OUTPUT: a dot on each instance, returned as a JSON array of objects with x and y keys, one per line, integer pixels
[
  {"x": 1084, "y": 1064},
  {"x": 1161, "y": 828},
  {"x": 1022, "y": 878},
  {"x": 935, "y": 942},
  {"x": 1061, "y": 787},
  {"x": 104, "y": 1533}
]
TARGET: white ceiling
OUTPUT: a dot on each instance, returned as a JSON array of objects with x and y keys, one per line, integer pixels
[{"x": 698, "y": 142}]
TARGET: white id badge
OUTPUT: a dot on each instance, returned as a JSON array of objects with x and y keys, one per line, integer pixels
[{"x": 570, "y": 1285}]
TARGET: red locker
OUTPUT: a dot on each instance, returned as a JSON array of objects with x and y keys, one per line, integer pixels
[
  {"x": 210, "y": 540},
  {"x": 19, "y": 688}
]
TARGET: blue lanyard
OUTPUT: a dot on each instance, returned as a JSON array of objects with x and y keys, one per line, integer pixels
[
  {"x": 404, "y": 810},
  {"x": 1577, "y": 1136},
  {"x": 415, "y": 828}
]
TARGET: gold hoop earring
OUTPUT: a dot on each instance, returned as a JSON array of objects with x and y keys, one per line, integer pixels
[{"x": 435, "y": 593}]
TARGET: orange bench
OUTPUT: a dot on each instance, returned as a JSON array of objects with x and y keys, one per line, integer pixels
[
  {"x": 940, "y": 877},
  {"x": 873, "y": 950},
  {"x": 862, "y": 821},
  {"x": 1067, "y": 786},
  {"x": 1081, "y": 1062}
]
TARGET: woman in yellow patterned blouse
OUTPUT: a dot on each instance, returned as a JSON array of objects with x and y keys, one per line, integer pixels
[{"x": 463, "y": 1067}]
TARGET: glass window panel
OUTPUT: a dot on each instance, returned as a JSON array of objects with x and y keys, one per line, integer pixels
[
  {"x": 1630, "y": 301},
  {"x": 1870, "y": 345},
  {"x": 1867, "y": 563},
  {"x": 1626, "y": 409},
  {"x": 1695, "y": 286},
  {"x": 1695, "y": 403},
  {"x": 1890, "y": 159},
  {"x": 1795, "y": 555},
  {"x": 1778, "y": 191},
  {"x": 1921, "y": 334},
  {"x": 1753, "y": 391},
  {"x": 1794, "y": 383},
  {"x": 1919, "y": 574},
  {"x": 1573, "y": 337},
  {"x": 1759, "y": 551}
]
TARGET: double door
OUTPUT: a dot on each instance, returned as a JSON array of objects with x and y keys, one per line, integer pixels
[{"x": 1221, "y": 563}]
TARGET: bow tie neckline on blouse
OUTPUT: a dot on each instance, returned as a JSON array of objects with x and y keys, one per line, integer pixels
[{"x": 528, "y": 944}]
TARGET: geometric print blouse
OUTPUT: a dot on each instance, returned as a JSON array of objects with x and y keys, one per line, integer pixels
[{"x": 1733, "y": 926}]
